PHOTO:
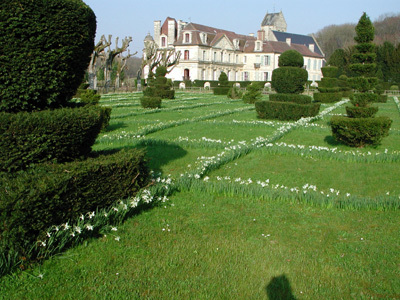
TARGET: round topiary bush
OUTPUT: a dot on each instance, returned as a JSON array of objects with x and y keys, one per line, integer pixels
[
  {"x": 289, "y": 80},
  {"x": 291, "y": 58},
  {"x": 45, "y": 48}
]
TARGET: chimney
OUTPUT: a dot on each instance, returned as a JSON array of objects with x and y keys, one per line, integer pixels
[
  {"x": 261, "y": 35},
  {"x": 157, "y": 31},
  {"x": 171, "y": 32},
  {"x": 311, "y": 47},
  {"x": 289, "y": 41}
]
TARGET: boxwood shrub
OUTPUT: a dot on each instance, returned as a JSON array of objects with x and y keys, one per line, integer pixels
[
  {"x": 150, "y": 102},
  {"x": 296, "y": 98},
  {"x": 45, "y": 48},
  {"x": 361, "y": 112},
  {"x": 289, "y": 80},
  {"x": 52, "y": 135},
  {"x": 358, "y": 132},
  {"x": 327, "y": 97},
  {"x": 363, "y": 99},
  {"x": 221, "y": 90},
  {"x": 285, "y": 111},
  {"x": 50, "y": 194}
]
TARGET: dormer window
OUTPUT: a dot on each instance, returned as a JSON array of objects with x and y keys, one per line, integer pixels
[
  {"x": 258, "y": 46},
  {"x": 187, "y": 38},
  {"x": 236, "y": 43},
  {"x": 163, "y": 41},
  {"x": 203, "y": 38}
]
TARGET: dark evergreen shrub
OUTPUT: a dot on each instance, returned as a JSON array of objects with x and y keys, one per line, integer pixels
[
  {"x": 291, "y": 58},
  {"x": 285, "y": 111},
  {"x": 327, "y": 97},
  {"x": 382, "y": 98},
  {"x": 252, "y": 94},
  {"x": 330, "y": 71},
  {"x": 327, "y": 82},
  {"x": 221, "y": 90},
  {"x": 89, "y": 97},
  {"x": 363, "y": 99},
  {"x": 150, "y": 102},
  {"x": 60, "y": 135},
  {"x": 295, "y": 98},
  {"x": 361, "y": 112},
  {"x": 235, "y": 93},
  {"x": 32, "y": 201},
  {"x": 289, "y": 80},
  {"x": 358, "y": 132},
  {"x": 329, "y": 90},
  {"x": 45, "y": 48}
]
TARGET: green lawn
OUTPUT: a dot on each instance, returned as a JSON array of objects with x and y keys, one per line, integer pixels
[{"x": 246, "y": 229}]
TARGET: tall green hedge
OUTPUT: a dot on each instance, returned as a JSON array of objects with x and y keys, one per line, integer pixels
[
  {"x": 45, "y": 48},
  {"x": 60, "y": 135},
  {"x": 50, "y": 194}
]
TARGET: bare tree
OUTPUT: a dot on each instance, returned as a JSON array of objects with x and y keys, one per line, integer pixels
[
  {"x": 111, "y": 54},
  {"x": 154, "y": 57},
  {"x": 121, "y": 64},
  {"x": 97, "y": 52}
]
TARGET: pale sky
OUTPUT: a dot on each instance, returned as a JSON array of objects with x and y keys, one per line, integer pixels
[{"x": 135, "y": 18}]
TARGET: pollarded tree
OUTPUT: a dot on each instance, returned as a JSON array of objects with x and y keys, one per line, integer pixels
[{"x": 45, "y": 48}]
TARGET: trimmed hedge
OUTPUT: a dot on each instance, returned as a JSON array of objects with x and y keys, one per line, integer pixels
[
  {"x": 358, "y": 132},
  {"x": 382, "y": 98},
  {"x": 45, "y": 48},
  {"x": 327, "y": 97},
  {"x": 150, "y": 102},
  {"x": 296, "y": 98},
  {"x": 50, "y": 194},
  {"x": 363, "y": 99},
  {"x": 330, "y": 71},
  {"x": 361, "y": 112},
  {"x": 289, "y": 80},
  {"x": 221, "y": 91},
  {"x": 285, "y": 111},
  {"x": 59, "y": 135}
]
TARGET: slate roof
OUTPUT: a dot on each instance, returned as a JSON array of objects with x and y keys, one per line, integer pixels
[
  {"x": 213, "y": 36},
  {"x": 280, "y": 47},
  {"x": 298, "y": 39},
  {"x": 269, "y": 19}
]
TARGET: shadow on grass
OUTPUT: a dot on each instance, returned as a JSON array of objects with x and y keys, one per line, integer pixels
[
  {"x": 331, "y": 141},
  {"x": 279, "y": 289},
  {"x": 160, "y": 153},
  {"x": 115, "y": 126}
]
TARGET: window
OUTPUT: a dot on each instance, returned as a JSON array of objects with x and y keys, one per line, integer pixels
[
  {"x": 186, "y": 55},
  {"x": 244, "y": 59},
  {"x": 265, "y": 60},
  {"x": 163, "y": 41},
  {"x": 203, "y": 74},
  {"x": 222, "y": 56},
  {"x": 187, "y": 38},
  {"x": 214, "y": 75},
  {"x": 315, "y": 64},
  {"x": 237, "y": 58},
  {"x": 258, "y": 46},
  {"x": 266, "y": 76},
  {"x": 245, "y": 76},
  {"x": 309, "y": 64},
  {"x": 229, "y": 58},
  {"x": 204, "y": 55},
  {"x": 215, "y": 56}
]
